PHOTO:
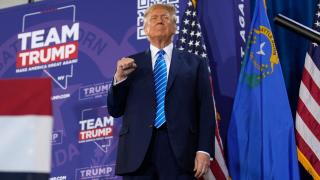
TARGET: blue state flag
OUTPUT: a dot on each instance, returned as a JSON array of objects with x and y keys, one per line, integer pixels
[{"x": 261, "y": 140}]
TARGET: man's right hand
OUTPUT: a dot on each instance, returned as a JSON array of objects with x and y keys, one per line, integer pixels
[{"x": 125, "y": 66}]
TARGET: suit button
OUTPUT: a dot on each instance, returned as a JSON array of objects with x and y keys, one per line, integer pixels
[{"x": 150, "y": 126}]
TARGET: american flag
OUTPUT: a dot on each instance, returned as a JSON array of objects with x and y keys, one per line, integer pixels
[
  {"x": 308, "y": 109},
  {"x": 190, "y": 39}
]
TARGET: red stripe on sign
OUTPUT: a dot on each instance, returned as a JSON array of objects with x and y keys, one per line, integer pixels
[
  {"x": 47, "y": 55},
  {"x": 25, "y": 96}
]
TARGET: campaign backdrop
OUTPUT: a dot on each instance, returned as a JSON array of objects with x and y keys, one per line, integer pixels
[
  {"x": 225, "y": 26},
  {"x": 77, "y": 43}
]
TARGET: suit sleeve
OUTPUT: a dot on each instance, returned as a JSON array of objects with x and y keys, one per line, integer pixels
[
  {"x": 206, "y": 110},
  {"x": 116, "y": 99}
]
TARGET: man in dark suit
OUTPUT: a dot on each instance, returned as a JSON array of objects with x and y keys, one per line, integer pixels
[{"x": 165, "y": 99}]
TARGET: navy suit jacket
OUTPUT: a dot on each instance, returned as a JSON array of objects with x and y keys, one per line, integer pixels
[{"x": 188, "y": 109}]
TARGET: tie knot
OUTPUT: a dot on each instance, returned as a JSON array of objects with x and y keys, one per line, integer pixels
[{"x": 161, "y": 52}]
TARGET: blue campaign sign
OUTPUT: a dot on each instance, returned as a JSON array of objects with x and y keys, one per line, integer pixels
[{"x": 76, "y": 44}]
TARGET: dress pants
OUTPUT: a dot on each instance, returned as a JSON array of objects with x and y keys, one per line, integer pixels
[{"x": 159, "y": 162}]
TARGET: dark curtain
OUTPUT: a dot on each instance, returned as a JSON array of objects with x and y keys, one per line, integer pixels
[{"x": 291, "y": 47}]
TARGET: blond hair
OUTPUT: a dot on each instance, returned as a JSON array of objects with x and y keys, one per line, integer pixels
[{"x": 169, "y": 7}]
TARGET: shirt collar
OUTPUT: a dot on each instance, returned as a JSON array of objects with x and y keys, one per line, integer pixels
[{"x": 168, "y": 49}]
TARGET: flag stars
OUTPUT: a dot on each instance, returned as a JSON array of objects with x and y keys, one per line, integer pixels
[
  {"x": 204, "y": 55},
  {"x": 197, "y": 43},
  {"x": 184, "y": 31},
  {"x": 318, "y": 14},
  {"x": 183, "y": 40},
  {"x": 194, "y": 14},
  {"x": 190, "y": 43},
  {"x": 315, "y": 44},
  {"x": 190, "y": 37},
  {"x": 317, "y": 24},
  {"x": 188, "y": 12},
  {"x": 186, "y": 21},
  {"x": 198, "y": 34},
  {"x": 204, "y": 47}
]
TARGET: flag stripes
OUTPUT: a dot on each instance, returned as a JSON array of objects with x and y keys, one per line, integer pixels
[{"x": 308, "y": 111}]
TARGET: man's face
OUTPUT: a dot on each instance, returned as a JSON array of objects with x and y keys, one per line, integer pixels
[{"x": 159, "y": 24}]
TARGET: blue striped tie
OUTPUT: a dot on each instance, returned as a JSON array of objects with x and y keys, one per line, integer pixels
[{"x": 160, "y": 80}]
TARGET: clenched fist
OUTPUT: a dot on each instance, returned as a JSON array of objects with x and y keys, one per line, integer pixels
[{"x": 125, "y": 66}]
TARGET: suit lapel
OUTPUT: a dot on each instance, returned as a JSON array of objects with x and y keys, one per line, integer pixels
[
  {"x": 174, "y": 67},
  {"x": 147, "y": 64},
  {"x": 148, "y": 74}
]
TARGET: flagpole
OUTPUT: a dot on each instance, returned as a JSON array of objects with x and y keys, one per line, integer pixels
[{"x": 298, "y": 28}]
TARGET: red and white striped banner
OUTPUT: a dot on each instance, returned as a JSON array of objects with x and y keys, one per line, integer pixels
[{"x": 25, "y": 126}]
